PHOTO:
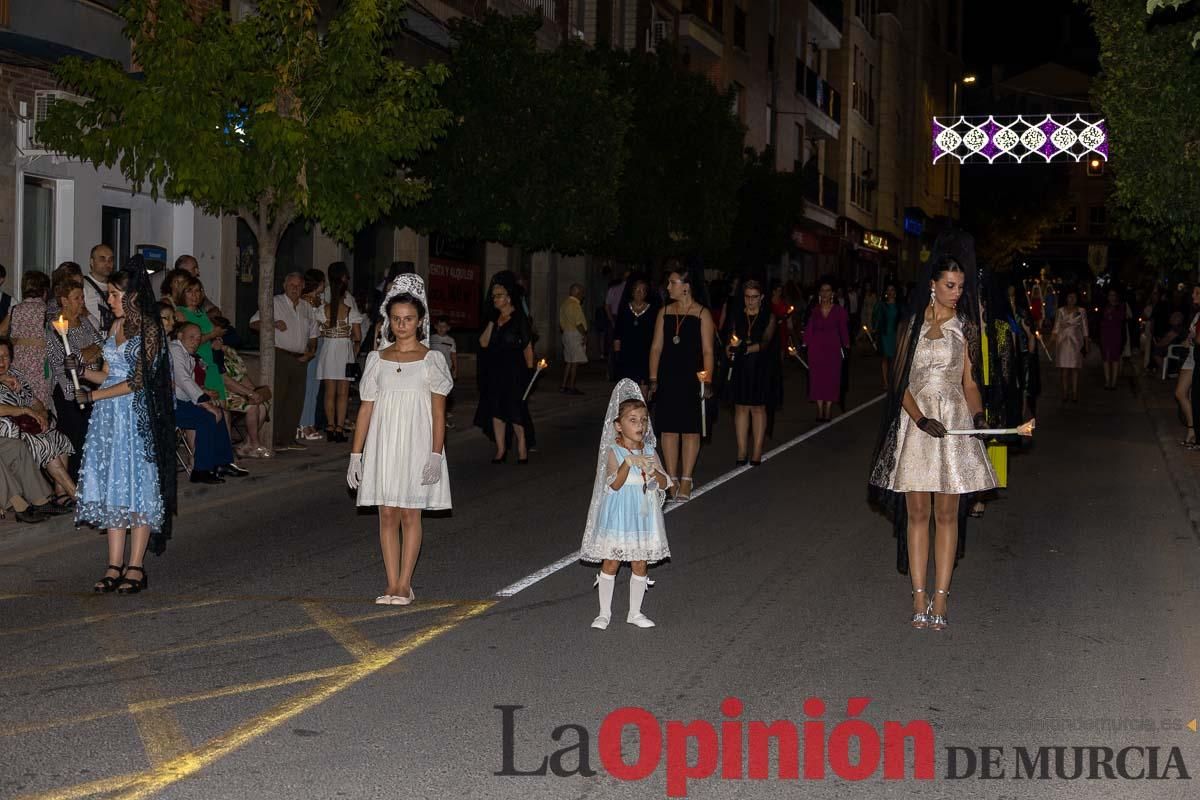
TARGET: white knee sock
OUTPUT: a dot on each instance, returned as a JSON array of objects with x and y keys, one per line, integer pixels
[
  {"x": 637, "y": 590},
  {"x": 607, "y": 584}
]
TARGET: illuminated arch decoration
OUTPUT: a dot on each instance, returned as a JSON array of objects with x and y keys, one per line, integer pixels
[{"x": 1015, "y": 139}]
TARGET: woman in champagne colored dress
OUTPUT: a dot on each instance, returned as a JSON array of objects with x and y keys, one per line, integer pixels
[
  {"x": 1070, "y": 343},
  {"x": 936, "y": 389}
]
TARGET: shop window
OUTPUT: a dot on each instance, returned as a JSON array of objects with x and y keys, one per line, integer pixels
[{"x": 37, "y": 225}]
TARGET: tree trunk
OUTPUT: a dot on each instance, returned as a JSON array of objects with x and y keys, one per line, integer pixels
[{"x": 267, "y": 246}]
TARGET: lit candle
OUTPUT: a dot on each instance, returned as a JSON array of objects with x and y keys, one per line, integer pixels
[
  {"x": 1043, "y": 344},
  {"x": 541, "y": 365},
  {"x": 870, "y": 338},
  {"x": 734, "y": 341},
  {"x": 702, "y": 375},
  {"x": 794, "y": 353},
  {"x": 61, "y": 325}
]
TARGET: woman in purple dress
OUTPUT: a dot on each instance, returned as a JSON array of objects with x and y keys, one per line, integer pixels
[
  {"x": 827, "y": 338},
  {"x": 1112, "y": 338}
]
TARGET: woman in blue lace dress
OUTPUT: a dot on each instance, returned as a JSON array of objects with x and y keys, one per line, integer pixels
[{"x": 127, "y": 478}]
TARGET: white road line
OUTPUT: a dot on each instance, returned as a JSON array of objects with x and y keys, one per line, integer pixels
[{"x": 571, "y": 558}]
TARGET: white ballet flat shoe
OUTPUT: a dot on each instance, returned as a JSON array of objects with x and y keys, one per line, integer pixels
[
  {"x": 641, "y": 620},
  {"x": 401, "y": 600},
  {"x": 384, "y": 600},
  {"x": 600, "y": 623}
]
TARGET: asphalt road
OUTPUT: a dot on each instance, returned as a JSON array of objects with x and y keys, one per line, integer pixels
[{"x": 257, "y": 666}]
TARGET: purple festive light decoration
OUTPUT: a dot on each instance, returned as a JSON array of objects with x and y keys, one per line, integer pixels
[{"x": 1015, "y": 138}]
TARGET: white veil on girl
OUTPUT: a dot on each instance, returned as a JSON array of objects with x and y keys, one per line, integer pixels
[
  {"x": 624, "y": 390},
  {"x": 409, "y": 283}
]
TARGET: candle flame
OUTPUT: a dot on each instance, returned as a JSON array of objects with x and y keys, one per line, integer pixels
[
  {"x": 1026, "y": 428},
  {"x": 791, "y": 349},
  {"x": 865, "y": 328},
  {"x": 734, "y": 340},
  {"x": 702, "y": 375},
  {"x": 791, "y": 309},
  {"x": 60, "y": 325},
  {"x": 543, "y": 363}
]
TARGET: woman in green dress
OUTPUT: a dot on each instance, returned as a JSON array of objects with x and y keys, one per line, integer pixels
[{"x": 189, "y": 304}]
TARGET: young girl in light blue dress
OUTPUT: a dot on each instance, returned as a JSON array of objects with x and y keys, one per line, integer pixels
[{"x": 625, "y": 519}]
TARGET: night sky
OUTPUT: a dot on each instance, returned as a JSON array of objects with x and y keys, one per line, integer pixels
[{"x": 1024, "y": 34}]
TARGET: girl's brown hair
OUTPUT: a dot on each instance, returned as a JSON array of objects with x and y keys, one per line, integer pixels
[{"x": 629, "y": 405}]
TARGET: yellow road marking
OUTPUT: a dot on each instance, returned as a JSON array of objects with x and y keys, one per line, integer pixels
[
  {"x": 357, "y": 599},
  {"x": 144, "y": 784},
  {"x": 341, "y": 630},
  {"x": 208, "y": 643},
  {"x": 66, "y": 623},
  {"x": 159, "y": 730},
  {"x": 168, "y": 702}
]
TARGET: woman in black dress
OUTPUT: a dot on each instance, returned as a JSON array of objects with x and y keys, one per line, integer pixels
[
  {"x": 749, "y": 332},
  {"x": 682, "y": 347},
  {"x": 634, "y": 335},
  {"x": 505, "y": 368}
]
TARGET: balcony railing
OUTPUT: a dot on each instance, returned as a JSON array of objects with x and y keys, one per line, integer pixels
[
  {"x": 547, "y": 7},
  {"x": 821, "y": 190},
  {"x": 711, "y": 11},
  {"x": 832, "y": 9},
  {"x": 819, "y": 92}
]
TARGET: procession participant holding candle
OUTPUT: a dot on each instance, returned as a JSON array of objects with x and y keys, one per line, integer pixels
[
  {"x": 28, "y": 331},
  {"x": 919, "y": 473},
  {"x": 82, "y": 339},
  {"x": 750, "y": 334},
  {"x": 397, "y": 461},
  {"x": 127, "y": 480},
  {"x": 625, "y": 519},
  {"x": 682, "y": 347},
  {"x": 506, "y": 365},
  {"x": 827, "y": 339}
]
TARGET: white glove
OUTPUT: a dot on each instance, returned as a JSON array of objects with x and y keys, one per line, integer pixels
[
  {"x": 354, "y": 472},
  {"x": 432, "y": 473}
]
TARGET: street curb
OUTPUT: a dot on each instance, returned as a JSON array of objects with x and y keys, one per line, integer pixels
[
  {"x": 65, "y": 524},
  {"x": 1179, "y": 465}
]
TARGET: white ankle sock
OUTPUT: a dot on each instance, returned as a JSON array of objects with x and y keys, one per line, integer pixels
[
  {"x": 637, "y": 590},
  {"x": 607, "y": 584}
]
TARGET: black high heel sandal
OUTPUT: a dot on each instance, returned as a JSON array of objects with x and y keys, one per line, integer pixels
[
  {"x": 501, "y": 459},
  {"x": 108, "y": 583},
  {"x": 134, "y": 585},
  {"x": 340, "y": 435},
  {"x": 330, "y": 434}
]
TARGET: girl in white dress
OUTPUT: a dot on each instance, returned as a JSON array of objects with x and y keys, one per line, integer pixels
[
  {"x": 625, "y": 519},
  {"x": 398, "y": 460}
]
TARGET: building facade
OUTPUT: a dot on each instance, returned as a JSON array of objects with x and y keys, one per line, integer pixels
[{"x": 53, "y": 209}]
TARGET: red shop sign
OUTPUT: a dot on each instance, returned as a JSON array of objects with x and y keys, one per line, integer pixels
[{"x": 454, "y": 288}]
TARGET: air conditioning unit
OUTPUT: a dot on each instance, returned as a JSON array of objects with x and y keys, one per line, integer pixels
[{"x": 42, "y": 103}]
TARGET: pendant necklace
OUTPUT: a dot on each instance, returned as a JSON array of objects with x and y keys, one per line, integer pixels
[{"x": 679, "y": 323}]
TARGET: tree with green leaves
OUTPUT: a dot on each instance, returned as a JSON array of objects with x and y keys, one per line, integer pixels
[
  {"x": 1149, "y": 91},
  {"x": 678, "y": 192},
  {"x": 534, "y": 155},
  {"x": 1154, "y": 6},
  {"x": 285, "y": 115},
  {"x": 769, "y": 203}
]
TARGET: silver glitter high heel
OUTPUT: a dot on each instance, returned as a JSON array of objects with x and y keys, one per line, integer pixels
[
  {"x": 920, "y": 619},
  {"x": 938, "y": 622}
]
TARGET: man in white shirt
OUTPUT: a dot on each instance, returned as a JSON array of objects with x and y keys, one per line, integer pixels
[
  {"x": 95, "y": 287},
  {"x": 196, "y": 411},
  {"x": 296, "y": 332}
]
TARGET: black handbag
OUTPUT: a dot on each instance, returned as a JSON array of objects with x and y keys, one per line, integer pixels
[{"x": 353, "y": 372}]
